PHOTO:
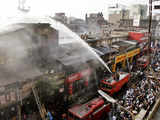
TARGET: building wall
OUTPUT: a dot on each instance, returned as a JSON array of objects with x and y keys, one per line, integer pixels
[
  {"x": 156, "y": 17},
  {"x": 95, "y": 21},
  {"x": 118, "y": 12},
  {"x": 114, "y": 18},
  {"x": 115, "y": 9},
  {"x": 138, "y": 9},
  {"x": 126, "y": 22},
  {"x": 157, "y": 32},
  {"x": 143, "y": 23},
  {"x": 124, "y": 14}
]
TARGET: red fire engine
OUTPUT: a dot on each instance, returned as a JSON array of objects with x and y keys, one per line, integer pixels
[
  {"x": 111, "y": 85},
  {"x": 95, "y": 109}
]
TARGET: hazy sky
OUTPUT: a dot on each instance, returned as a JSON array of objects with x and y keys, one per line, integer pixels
[{"x": 76, "y": 8}]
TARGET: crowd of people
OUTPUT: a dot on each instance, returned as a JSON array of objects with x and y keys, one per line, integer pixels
[
  {"x": 117, "y": 113},
  {"x": 143, "y": 94},
  {"x": 141, "y": 97},
  {"x": 136, "y": 98}
]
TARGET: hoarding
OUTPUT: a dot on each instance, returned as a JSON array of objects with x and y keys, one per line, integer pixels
[
  {"x": 133, "y": 52},
  {"x": 127, "y": 55},
  {"x": 120, "y": 58}
]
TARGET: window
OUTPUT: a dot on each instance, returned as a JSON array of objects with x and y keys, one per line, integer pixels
[{"x": 157, "y": 7}]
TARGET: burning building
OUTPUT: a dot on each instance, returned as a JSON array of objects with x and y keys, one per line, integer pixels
[{"x": 43, "y": 54}]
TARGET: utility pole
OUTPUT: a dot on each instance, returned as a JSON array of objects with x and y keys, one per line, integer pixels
[
  {"x": 41, "y": 107},
  {"x": 149, "y": 29}
]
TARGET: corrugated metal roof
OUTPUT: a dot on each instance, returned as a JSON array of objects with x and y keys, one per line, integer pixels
[{"x": 104, "y": 50}]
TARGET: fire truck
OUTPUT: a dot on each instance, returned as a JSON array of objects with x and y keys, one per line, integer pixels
[
  {"x": 114, "y": 83},
  {"x": 94, "y": 109}
]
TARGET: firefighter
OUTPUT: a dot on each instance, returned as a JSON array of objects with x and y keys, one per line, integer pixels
[{"x": 116, "y": 76}]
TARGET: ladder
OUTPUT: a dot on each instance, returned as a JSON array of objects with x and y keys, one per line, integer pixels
[
  {"x": 41, "y": 107},
  {"x": 19, "y": 98}
]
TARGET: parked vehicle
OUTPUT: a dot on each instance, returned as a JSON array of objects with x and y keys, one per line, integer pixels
[
  {"x": 95, "y": 109},
  {"x": 114, "y": 83}
]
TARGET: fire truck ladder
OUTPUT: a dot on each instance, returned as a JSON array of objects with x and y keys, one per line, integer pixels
[{"x": 41, "y": 107}]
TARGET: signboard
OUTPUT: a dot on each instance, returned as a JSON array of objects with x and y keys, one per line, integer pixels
[
  {"x": 78, "y": 76},
  {"x": 127, "y": 55},
  {"x": 136, "y": 20},
  {"x": 120, "y": 58},
  {"x": 133, "y": 53},
  {"x": 73, "y": 77}
]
